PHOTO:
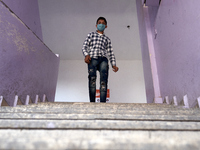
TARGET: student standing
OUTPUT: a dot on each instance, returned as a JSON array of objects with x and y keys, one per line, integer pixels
[{"x": 96, "y": 49}]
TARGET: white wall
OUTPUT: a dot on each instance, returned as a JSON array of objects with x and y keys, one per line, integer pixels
[
  {"x": 126, "y": 86},
  {"x": 65, "y": 25}
]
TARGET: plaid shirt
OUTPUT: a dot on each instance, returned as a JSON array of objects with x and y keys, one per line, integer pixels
[{"x": 97, "y": 44}]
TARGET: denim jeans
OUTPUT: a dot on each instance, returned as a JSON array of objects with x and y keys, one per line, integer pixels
[{"x": 100, "y": 64}]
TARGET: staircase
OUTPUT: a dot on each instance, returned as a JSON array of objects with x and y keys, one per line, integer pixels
[{"x": 110, "y": 126}]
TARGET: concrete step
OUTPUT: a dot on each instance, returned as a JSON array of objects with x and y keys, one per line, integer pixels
[
  {"x": 89, "y": 108},
  {"x": 94, "y": 105},
  {"x": 100, "y": 125},
  {"x": 98, "y": 140},
  {"x": 122, "y": 106},
  {"x": 106, "y": 116},
  {"x": 97, "y": 126}
]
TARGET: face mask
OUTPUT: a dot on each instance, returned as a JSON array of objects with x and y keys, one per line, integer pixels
[{"x": 101, "y": 27}]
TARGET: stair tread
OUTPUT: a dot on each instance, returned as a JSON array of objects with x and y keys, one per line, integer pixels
[
  {"x": 99, "y": 108},
  {"x": 99, "y": 125},
  {"x": 99, "y": 116},
  {"x": 98, "y": 139}
]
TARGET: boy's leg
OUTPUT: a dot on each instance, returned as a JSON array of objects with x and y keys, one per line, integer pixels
[
  {"x": 103, "y": 69},
  {"x": 92, "y": 67}
]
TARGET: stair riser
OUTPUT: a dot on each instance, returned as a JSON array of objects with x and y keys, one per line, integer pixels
[
  {"x": 99, "y": 125},
  {"x": 99, "y": 140},
  {"x": 29, "y": 116}
]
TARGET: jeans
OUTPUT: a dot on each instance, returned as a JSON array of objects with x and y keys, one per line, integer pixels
[{"x": 100, "y": 64}]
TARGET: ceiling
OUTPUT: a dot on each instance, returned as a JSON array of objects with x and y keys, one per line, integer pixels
[{"x": 66, "y": 23}]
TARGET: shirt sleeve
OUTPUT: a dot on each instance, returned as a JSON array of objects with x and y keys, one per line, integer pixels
[
  {"x": 85, "y": 48},
  {"x": 111, "y": 54}
]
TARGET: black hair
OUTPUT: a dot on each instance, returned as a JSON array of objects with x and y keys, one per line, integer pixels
[{"x": 101, "y": 18}]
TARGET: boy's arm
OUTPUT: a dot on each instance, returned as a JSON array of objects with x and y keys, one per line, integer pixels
[
  {"x": 112, "y": 57},
  {"x": 111, "y": 54},
  {"x": 86, "y": 46}
]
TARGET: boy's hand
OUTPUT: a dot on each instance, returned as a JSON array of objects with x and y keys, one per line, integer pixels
[
  {"x": 115, "y": 68},
  {"x": 87, "y": 59}
]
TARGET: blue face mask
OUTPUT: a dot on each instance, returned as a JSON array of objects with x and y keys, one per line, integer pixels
[{"x": 101, "y": 27}]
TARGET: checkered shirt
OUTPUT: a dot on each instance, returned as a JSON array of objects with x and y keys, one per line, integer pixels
[{"x": 97, "y": 44}]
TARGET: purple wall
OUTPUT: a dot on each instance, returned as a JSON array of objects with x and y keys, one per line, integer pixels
[
  {"x": 28, "y": 12},
  {"x": 145, "y": 53},
  {"x": 152, "y": 2},
  {"x": 27, "y": 66},
  {"x": 177, "y": 48}
]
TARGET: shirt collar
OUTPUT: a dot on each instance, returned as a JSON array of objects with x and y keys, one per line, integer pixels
[{"x": 99, "y": 33}]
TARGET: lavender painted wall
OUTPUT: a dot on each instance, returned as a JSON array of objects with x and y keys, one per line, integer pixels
[
  {"x": 27, "y": 66},
  {"x": 152, "y": 11},
  {"x": 152, "y": 2},
  {"x": 177, "y": 48},
  {"x": 145, "y": 53},
  {"x": 28, "y": 12}
]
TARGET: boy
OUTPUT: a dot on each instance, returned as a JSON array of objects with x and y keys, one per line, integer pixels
[{"x": 96, "y": 48}]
